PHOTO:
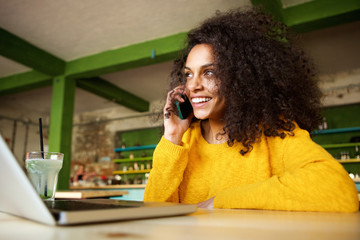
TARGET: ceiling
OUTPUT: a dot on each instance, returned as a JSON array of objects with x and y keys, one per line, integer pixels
[{"x": 71, "y": 30}]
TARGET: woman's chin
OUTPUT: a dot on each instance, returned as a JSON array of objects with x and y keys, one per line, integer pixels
[{"x": 201, "y": 116}]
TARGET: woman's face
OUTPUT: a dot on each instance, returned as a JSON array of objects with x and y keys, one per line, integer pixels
[{"x": 201, "y": 84}]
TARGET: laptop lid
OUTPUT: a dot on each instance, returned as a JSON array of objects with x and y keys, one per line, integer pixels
[{"x": 20, "y": 198}]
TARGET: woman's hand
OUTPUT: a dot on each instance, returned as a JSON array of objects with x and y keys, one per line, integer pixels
[{"x": 174, "y": 126}]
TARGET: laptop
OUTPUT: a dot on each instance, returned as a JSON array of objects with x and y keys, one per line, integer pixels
[{"x": 19, "y": 198}]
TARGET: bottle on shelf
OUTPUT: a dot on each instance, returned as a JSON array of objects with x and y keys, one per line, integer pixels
[
  {"x": 357, "y": 153},
  {"x": 325, "y": 125},
  {"x": 138, "y": 179},
  {"x": 344, "y": 156},
  {"x": 136, "y": 166},
  {"x": 146, "y": 178},
  {"x": 117, "y": 179}
]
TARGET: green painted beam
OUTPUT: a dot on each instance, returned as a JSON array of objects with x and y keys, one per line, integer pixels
[
  {"x": 137, "y": 55},
  {"x": 327, "y": 22},
  {"x": 23, "y": 82},
  {"x": 61, "y": 121},
  {"x": 23, "y": 52},
  {"x": 313, "y": 15},
  {"x": 320, "y": 14},
  {"x": 273, "y": 7},
  {"x": 110, "y": 91}
]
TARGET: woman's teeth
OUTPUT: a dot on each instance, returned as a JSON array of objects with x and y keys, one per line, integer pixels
[{"x": 200, "y": 100}]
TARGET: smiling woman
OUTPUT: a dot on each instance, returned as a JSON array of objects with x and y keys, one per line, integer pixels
[{"x": 246, "y": 145}]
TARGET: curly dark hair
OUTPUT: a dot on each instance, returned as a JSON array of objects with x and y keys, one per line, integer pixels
[{"x": 268, "y": 83}]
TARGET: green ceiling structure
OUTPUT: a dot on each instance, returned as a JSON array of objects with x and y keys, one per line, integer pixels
[
  {"x": 64, "y": 77},
  {"x": 111, "y": 92},
  {"x": 313, "y": 14}
]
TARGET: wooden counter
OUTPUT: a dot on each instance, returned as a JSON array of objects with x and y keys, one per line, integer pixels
[
  {"x": 135, "y": 191},
  {"x": 88, "y": 194},
  {"x": 203, "y": 224},
  {"x": 109, "y": 187}
]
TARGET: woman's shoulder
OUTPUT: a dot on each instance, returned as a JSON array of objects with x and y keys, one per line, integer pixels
[
  {"x": 296, "y": 136},
  {"x": 299, "y": 132},
  {"x": 296, "y": 147}
]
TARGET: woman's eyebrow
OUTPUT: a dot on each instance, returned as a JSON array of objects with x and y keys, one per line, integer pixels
[{"x": 202, "y": 67}]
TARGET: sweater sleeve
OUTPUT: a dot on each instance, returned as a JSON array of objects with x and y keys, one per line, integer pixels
[
  {"x": 312, "y": 181},
  {"x": 169, "y": 163}
]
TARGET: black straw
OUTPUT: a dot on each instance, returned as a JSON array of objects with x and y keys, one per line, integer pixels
[
  {"x": 41, "y": 138},
  {"x": 42, "y": 151}
]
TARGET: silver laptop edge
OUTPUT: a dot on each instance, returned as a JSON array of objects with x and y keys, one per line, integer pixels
[{"x": 19, "y": 198}]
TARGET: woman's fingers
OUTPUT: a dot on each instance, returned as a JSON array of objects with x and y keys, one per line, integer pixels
[{"x": 175, "y": 94}]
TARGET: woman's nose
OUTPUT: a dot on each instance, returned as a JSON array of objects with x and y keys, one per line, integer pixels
[{"x": 194, "y": 84}]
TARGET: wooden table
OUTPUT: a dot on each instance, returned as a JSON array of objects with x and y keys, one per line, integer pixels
[{"x": 220, "y": 224}]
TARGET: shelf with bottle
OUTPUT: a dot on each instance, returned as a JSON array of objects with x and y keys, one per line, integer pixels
[
  {"x": 132, "y": 171},
  {"x": 132, "y": 178},
  {"x": 350, "y": 160},
  {"x": 349, "y": 152},
  {"x": 132, "y": 165},
  {"x": 336, "y": 130},
  {"x": 134, "y": 148},
  {"x": 132, "y": 162},
  {"x": 324, "y": 129},
  {"x": 341, "y": 145},
  {"x": 141, "y": 164},
  {"x": 135, "y": 159}
]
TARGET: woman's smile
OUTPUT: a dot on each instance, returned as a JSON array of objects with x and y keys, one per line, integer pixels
[{"x": 197, "y": 101}]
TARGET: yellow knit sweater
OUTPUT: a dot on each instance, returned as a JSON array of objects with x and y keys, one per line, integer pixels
[{"x": 293, "y": 173}]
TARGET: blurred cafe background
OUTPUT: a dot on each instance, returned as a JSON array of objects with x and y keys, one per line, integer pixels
[{"x": 96, "y": 72}]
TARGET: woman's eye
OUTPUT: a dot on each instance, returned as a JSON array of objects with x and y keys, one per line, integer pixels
[
  {"x": 209, "y": 73},
  {"x": 188, "y": 75}
]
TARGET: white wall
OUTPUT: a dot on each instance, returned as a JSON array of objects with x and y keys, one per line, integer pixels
[{"x": 336, "y": 53}]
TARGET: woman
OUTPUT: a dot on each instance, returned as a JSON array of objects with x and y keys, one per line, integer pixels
[{"x": 247, "y": 143}]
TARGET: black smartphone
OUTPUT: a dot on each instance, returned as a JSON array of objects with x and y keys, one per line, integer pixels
[{"x": 184, "y": 108}]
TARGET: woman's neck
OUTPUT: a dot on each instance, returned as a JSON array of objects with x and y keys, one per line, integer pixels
[{"x": 212, "y": 131}]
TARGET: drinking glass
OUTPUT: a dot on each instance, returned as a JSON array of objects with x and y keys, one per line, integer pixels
[{"x": 43, "y": 169}]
